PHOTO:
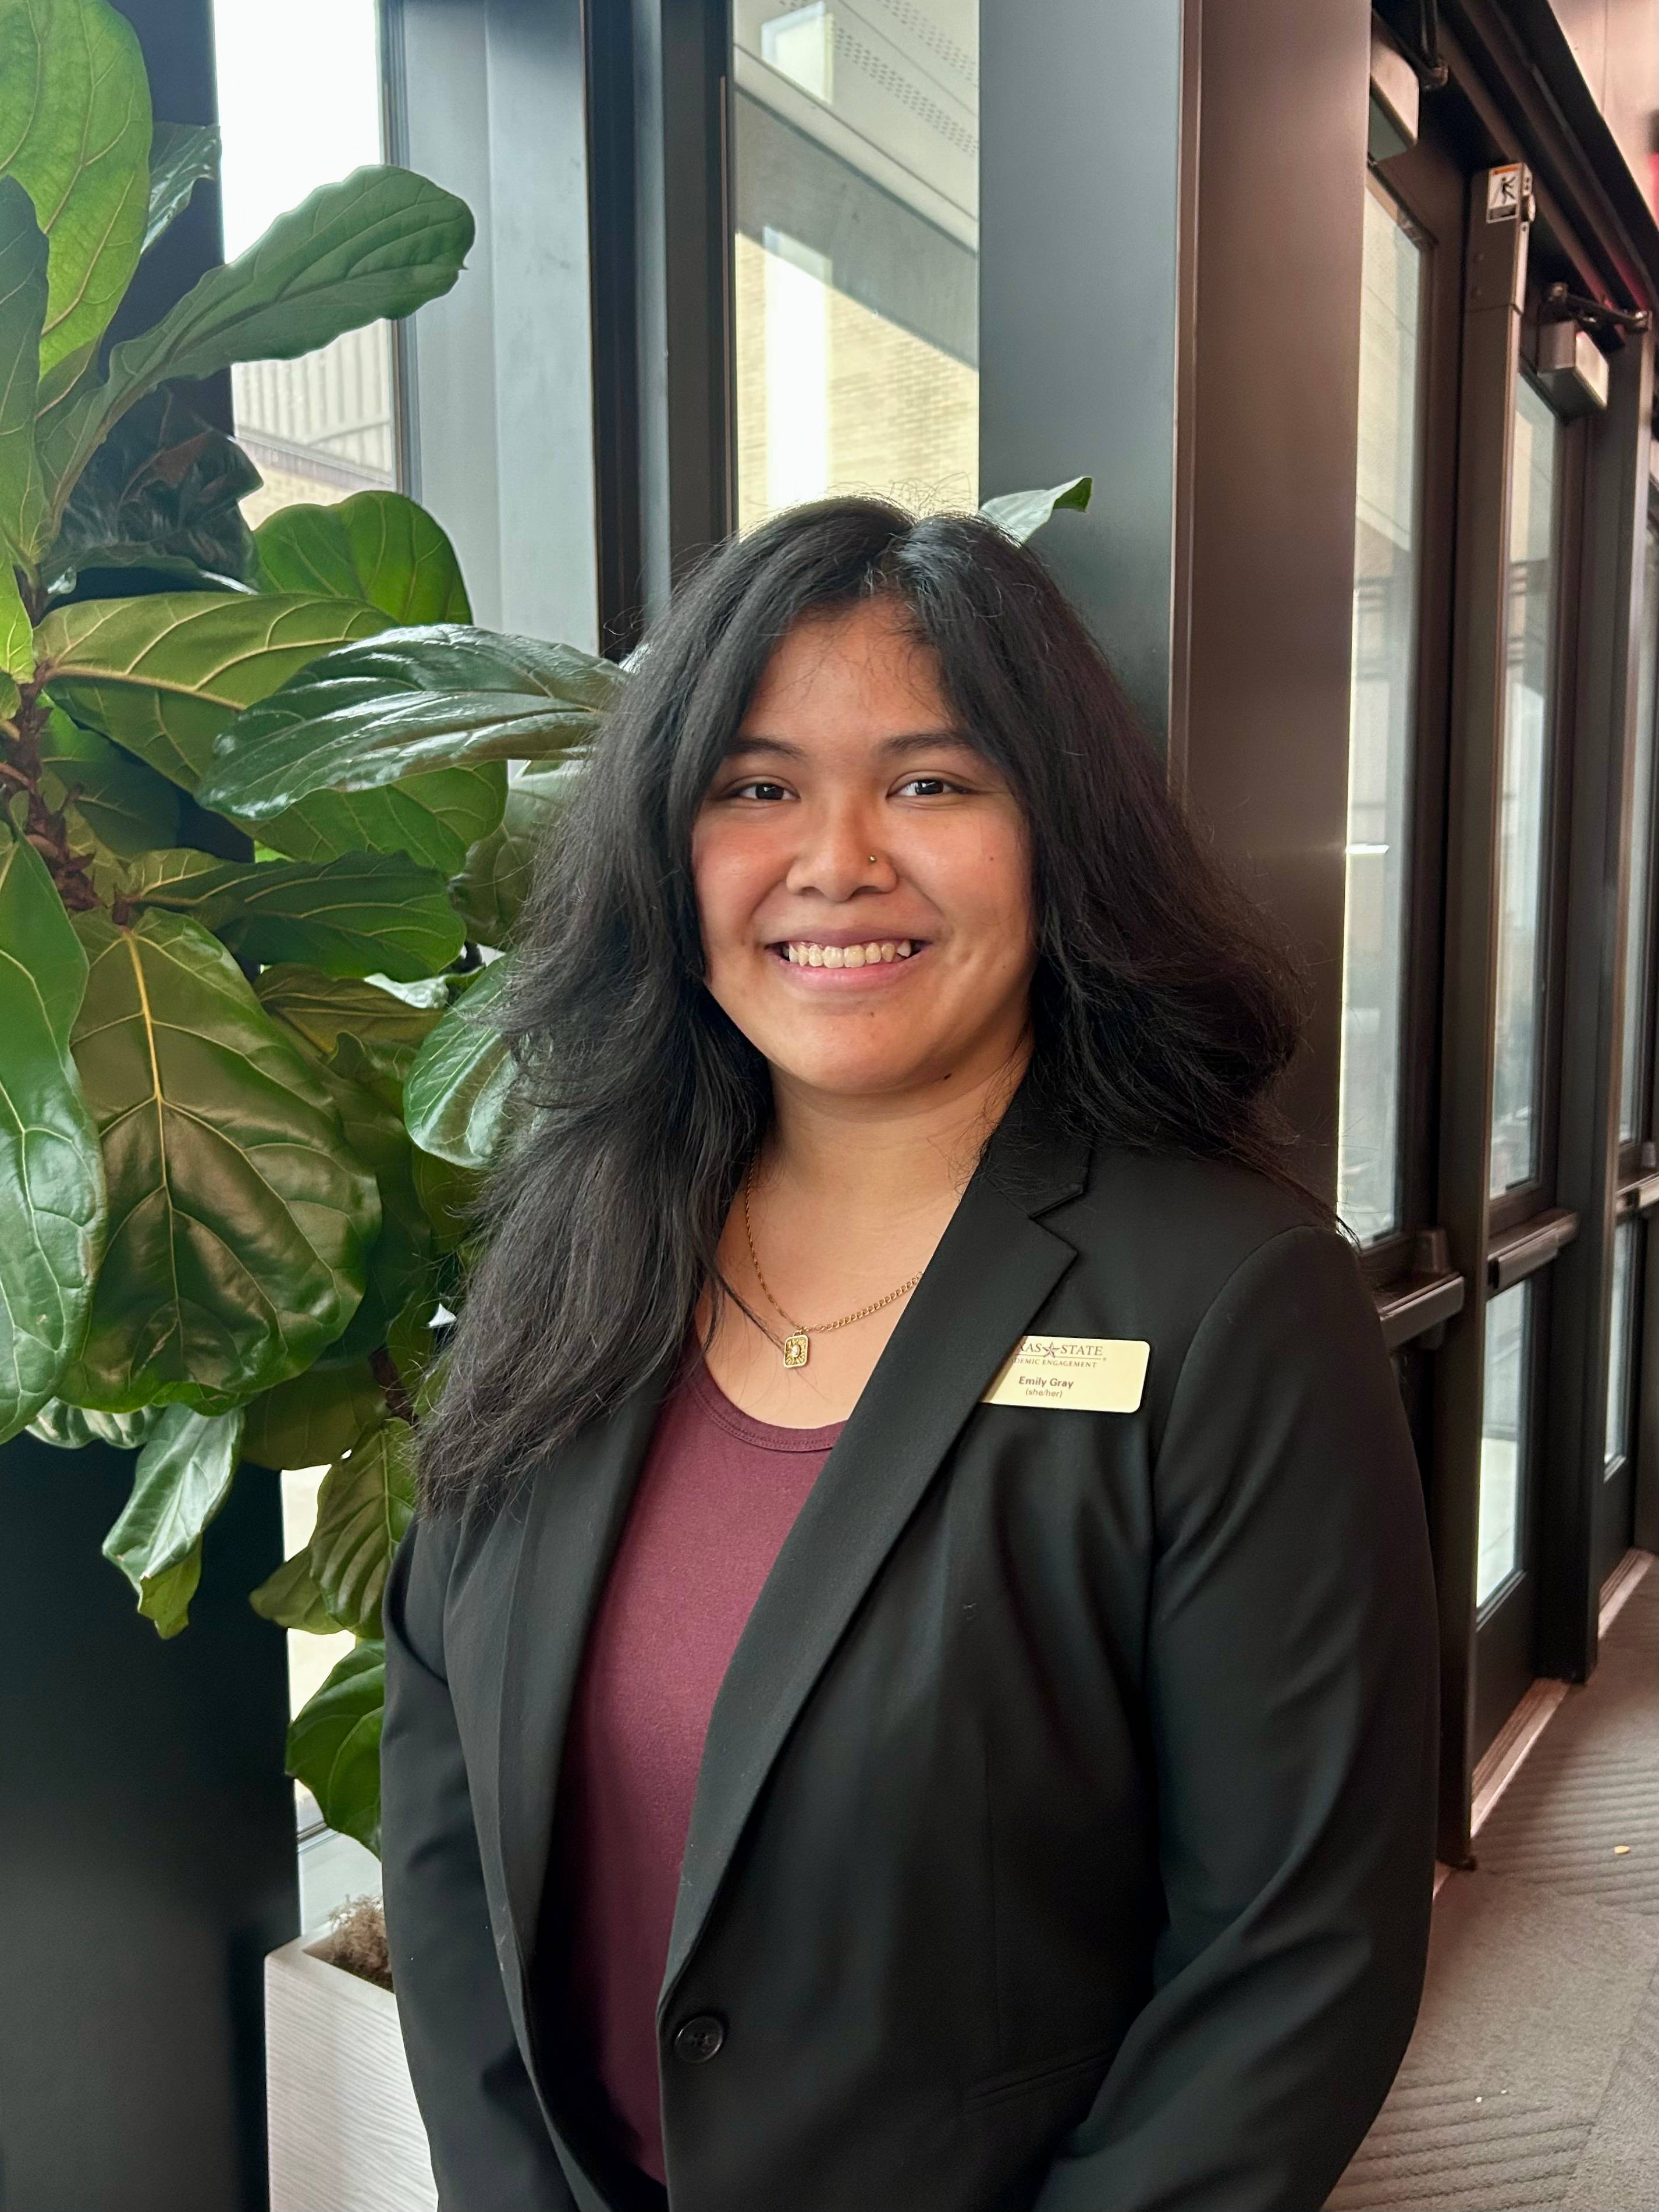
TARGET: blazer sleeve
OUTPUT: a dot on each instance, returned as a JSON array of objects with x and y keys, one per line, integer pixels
[
  {"x": 1291, "y": 1678},
  {"x": 491, "y": 2149}
]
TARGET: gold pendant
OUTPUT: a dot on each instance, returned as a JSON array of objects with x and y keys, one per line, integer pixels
[{"x": 794, "y": 1350}]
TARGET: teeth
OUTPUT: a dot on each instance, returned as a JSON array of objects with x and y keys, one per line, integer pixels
[{"x": 801, "y": 953}]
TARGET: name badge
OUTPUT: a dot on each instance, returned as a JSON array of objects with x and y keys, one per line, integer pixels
[{"x": 1080, "y": 1373}]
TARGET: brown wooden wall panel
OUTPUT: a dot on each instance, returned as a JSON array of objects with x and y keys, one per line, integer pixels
[{"x": 1268, "y": 541}]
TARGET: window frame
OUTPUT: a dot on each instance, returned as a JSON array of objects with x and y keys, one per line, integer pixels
[
  {"x": 1509, "y": 1209},
  {"x": 1410, "y": 1273}
]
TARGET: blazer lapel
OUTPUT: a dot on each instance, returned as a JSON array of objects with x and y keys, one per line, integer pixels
[{"x": 994, "y": 1268}]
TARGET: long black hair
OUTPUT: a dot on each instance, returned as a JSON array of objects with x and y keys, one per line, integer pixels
[{"x": 1162, "y": 1008}]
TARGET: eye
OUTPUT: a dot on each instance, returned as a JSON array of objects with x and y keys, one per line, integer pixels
[
  {"x": 761, "y": 787},
  {"x": 930, "y": 786}
]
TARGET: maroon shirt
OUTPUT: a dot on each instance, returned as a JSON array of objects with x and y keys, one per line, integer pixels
[{"x": 717, "y": 1495}]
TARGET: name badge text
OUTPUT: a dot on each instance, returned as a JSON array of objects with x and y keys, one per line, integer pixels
[{"x": 1080, "y": 1373}]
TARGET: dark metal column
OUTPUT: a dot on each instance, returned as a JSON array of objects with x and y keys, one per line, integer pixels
[
  {"x": 1080, "y": 149},
  {"x": 147, "y": 1853},
  {"x": 659, "y": 88}
]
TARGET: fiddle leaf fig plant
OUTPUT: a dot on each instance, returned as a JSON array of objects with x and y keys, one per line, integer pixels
[
  {"x": 219, "y": 1247},
  {"x": 269, "y": 801}
]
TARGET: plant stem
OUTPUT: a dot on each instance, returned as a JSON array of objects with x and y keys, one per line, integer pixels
[
  {"x": 45, "y": 826},
  {"x": 384, "y": 1369}
]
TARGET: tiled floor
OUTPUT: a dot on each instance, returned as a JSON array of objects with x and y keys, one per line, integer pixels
[{"x": 1533, "y": 2079}]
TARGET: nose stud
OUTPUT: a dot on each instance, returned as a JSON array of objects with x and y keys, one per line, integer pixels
[{"x": 872, "y": 860}]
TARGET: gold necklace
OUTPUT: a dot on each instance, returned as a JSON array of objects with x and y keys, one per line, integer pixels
[{"x": 796, "y": 1346}]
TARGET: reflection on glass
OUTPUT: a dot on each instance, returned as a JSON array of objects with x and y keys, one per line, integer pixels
[
  {"x": 1623, "y": 1322},
  {"x": 1524, "y": 792},
  {"x": 1380, "y": 722},
  {"x": 1637, "y": 1013},
  {"x": 1502, "y": 1440},
  {"x": 855, "y": 192},
  {"x": 300, "y": 106}
]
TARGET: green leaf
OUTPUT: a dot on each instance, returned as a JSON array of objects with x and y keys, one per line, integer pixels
[
  {"x": 379, "y": 1068},
  {"x": 182, "y": 1478},
  {"x": 496, "y": 878},
  {"x": 366, "y": 1502},
  {"x": 400, "y": 1257},
  {"x": 378, "y": 244},
  {"x": 49, "y": 1171},
  {"x": 75, "y": 131},
  {"x": 164, "y": 488},
  {"x": 107, "y": 794},
  {"x": 367, "y": 715},
  {"x": 241, "y": 1222},
  {"x": 163, "y": 675},
  {"x": 1022, "y": 513},
  {"x": 334, "y": 1744},
  {"x": 313, "y": 1418},
  {"x": 291, "y": 1598},
  {"x": 321, "y": 1008},
  {"x": 22, "y": 312},
  {"x": 433, "y": 819},
  {"x": 457, "y": 1091},
  {"x": 70, "y": 1427},
  {"x": 180, "y": 155},
  {"x": 449, "y": 1195},
  {"x": 16, "y": 640},
  {"x": 377, "y": 546},
  {"x": 364, "y": 913}
]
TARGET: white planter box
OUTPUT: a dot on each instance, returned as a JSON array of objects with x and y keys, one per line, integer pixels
[{"x": 345, "y": 2135}]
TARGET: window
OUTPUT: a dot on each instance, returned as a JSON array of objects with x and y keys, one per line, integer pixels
[
  {"x": 1503, "y": 1441},
  {"x": 1381, "y": 720},
  {"x": 855, "y": 192},
  {"x": 333, "y": 1867},
  {"x": 300, "y": 106},
  {"x": 1524, "y": 797},
  {"x": 1637, "y": 1003}
]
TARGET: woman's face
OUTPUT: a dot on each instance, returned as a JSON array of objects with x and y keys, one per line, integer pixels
[{"x": 855, "y": 974}]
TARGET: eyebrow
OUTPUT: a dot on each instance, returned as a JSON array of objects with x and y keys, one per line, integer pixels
[{"x": 897, "y": 748}]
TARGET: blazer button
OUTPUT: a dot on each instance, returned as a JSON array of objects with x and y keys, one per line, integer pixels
[{"x": 699, "y": 2038}]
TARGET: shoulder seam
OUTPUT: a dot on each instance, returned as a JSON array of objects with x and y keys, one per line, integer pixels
[{"x": 1248, "y": 1258}]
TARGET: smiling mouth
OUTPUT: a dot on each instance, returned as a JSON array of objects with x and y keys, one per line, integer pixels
[{"x": 879, "y": 952}]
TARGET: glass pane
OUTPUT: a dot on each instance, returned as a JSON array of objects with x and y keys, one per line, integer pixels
[
  {"x": 1381, "y": 723},
  {"x": 1619, "y": 1353},
  {"x": 333, "y": 1867},
  {"x": 855, "y": 186},
  {"x": 1502, "y": 1440},
  {"x": 1637, "y": 1011},
  {"x": 300, "y": 106},
  {"x": 1524, "y": 795}
]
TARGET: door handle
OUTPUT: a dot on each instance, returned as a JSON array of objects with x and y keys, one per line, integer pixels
[{"x": 1531, "y": 1247}]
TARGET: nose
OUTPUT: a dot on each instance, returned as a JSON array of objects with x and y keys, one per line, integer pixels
[{"x": 839, "y": 855}]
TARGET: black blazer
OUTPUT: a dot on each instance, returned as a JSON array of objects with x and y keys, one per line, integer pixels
[{"x": 1063, "y": 1837}]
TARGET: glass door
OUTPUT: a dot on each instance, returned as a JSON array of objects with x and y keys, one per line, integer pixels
[
  {"x": 1382, "y": 718},
  {"x": 1632, "y": 1383},
  {"x": 1527, "y": 1230},
  {"x": 1405, "y": 529}
]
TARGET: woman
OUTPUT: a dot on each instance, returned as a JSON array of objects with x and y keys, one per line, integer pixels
[{"x": 912, "y": 1690}]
